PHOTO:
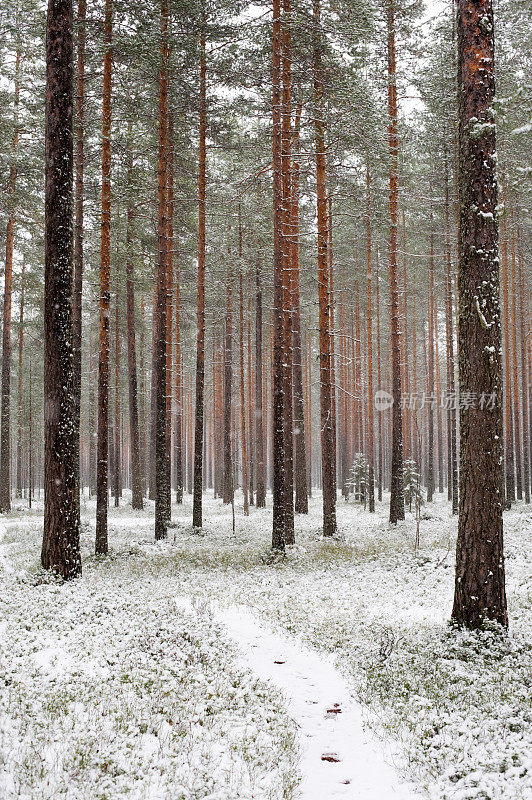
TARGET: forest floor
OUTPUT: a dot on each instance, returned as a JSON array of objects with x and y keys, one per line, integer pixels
[{"x": 154, "y": 675}]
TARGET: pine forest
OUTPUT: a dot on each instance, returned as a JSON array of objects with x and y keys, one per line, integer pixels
[{"x": 266, "y": 399}]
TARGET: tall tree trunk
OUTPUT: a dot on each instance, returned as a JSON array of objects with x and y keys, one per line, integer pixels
[
  {"x": 524, "y": 377},
  {"x": 228, "y": 482},
  {"x": 480, "y": 586},
  {"x": 19, "y": 381},
  {"x": 60, "y": 548},
  {"x": 92, "y": 422},
  {"x": 326, "y": 409},
  {"x": 332, "y": 338},
  {"x": 439, "y": 427},
  {"x": 102, "y": 473},
  {"x": 515, "y": 372},
  {"x": 5, "y": 422},
  {"x": 415, "y": 420},
  {"x": 243, "y": 434},
  {"x": 250, "y": 406},
  {"x": 287, "y": 254},
  {"x": 344, "y": 455},
  {"x": 169, "y": 311},
  {"x": 407, "y": 422},
  {"x": 259, "y": 425},
  {"x": 162, "y": 488},
  {"x": 134, "y": 443},
  {"x": 143, "y": 404},
  {"x": 369, "y": 324},
  {"x": 509, "y": 423},
  {"x": 430, "y": 374},
  {"x": 78, "y": 225},
  {"x": 309, "y": 410},
  {"x": 197, "y": 519},
  {"x": 379, "y": 388},
  {"x": 30, "y": 435},
  {"x": 117, "y": 448},
  {"x": 397, "y": 505},
  {"x": 451, "y": 411},
  {"x": 218, "y": 421},
  {"x": 279, "y": 479},
  {"x": 178, "y": 435}
]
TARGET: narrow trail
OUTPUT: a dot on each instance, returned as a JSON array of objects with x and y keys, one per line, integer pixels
[{"x": 330, "y": 721}]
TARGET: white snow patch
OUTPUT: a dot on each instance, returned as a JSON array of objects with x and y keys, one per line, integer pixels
[{"x": 315, "y": 690}]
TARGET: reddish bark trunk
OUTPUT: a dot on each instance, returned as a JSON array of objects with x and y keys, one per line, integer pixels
[
  {"x": 369, "y": 332},
  {"x": 279, "y": 485},
  {"x": 509, "y": 424},
  {"x": 524, "y": 376},
  {"x": 243, "y": 435},
  {"x": 134, "y": 443},
  {"x": 480, "y": 584},
  {"x": 259, "y": 425},
  {"x": 430, "y": 375},
  {"x": 197, "y": 513},
  {"x": 5, "y": 422},
  {"x": 178, "y": 433},
  {"x": 379, "y": 388},
  {"x": 515, "y": 372},
  {"x": 19, "y": 381},
  {"x": 397, "y": 508},
  {"x": 326, "y": 408}
]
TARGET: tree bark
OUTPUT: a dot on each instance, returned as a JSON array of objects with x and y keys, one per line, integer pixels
[
  {"x": 117, "y": 448},
  {"x": 287, "y": 255},
  {"x": 451, "y": 411},
  {"x": 326, "y": 409},
  {"x": 243, "y": 434},
  {"x": 300, "y": 461},
  {"x": 524, "y": 378},
  {"x": 259, "y": 425},
  {"x": 228, "y": 482},
  {"x": 480, "y": 585},
  {"x": 169, "y": 311},
  {"x": 369, "y": 331},
  {"x": 430, "y": 375},
  {"x": 60, "y": 549},
  {"x": 515, "y": 372},
  {"x": 78, "y": 225},
  {"x": 19, "y": 381},
  {"x": 508, "y": 416},
  {"x": 178, "y": 432},
  {"x": 279, "y": 478},
  {"x": 397, "y": 506},
  {"x": 197, "y": 519},
  {"x": 162, "y": 488},
  {"x": 379, "y": 388},
  {"x": 134, "y": 443},
  {"x": 5, "y": 423},
  {"x": 250, "y": 406},
  {"x": 102, "y": 473}
]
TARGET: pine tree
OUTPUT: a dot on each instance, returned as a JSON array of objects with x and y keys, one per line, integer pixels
[
  {"x": 102, "y": 473},
  {"x": 480, "y": 586},
  {"x": 397, "y": 511},
  {"x": 60, "y": 549},
  {"x": 326, "y": 404},
  {"x": 197, "y": 518}
]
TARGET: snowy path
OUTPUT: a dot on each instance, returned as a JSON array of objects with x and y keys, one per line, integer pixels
[{"x": 330, "y": 721}]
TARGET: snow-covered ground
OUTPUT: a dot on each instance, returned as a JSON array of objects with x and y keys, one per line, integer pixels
[{"x": 140, "y": 680}]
